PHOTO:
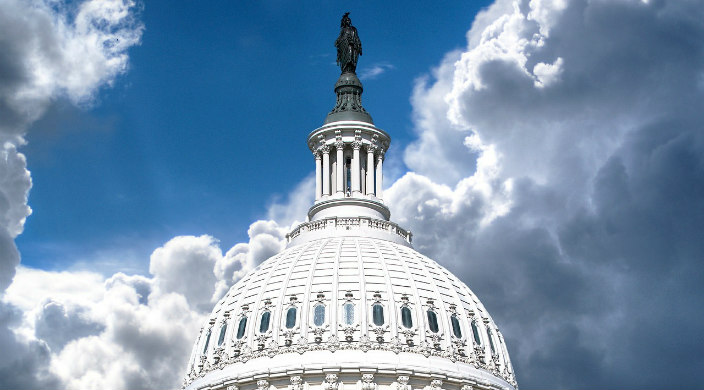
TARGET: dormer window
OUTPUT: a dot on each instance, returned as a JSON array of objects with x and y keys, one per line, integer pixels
[
  {"x": 264, "y": 321},
  {"x": 456, "y": 330},
  {"x": 291, "y": 317},
  {"x": 221, "y": 338},
  {"x": 378, "y": 314},
  {"x": 348, "y": 313},
  {"x": 491, "y": 341},
  {"x": 319, "y": 314},
  {"x": 433, "y": 321},
  {"x": 406, "y": 318},
  {"x": 207, "y": 341},
  {"x": 475, "y": 332},
  {"x": 241, "y": 327}
]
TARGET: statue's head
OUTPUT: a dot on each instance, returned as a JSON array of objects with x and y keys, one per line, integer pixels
[{"x": 346, "y": 21}]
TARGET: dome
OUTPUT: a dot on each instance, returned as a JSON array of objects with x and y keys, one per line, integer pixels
[{"x": 350, "y": 305}]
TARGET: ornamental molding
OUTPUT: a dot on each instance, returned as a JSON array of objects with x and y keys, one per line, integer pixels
[
  {"x": 402, "y": 383},
  {"x": 262, "y": 384},
  {"x": 364, "y": 344},
  {"x": 368, "y": 382},
  {"x": 330, "y": 382},
  {"x": 296, "y": 383},
  {"x": 436, "y": 384}
]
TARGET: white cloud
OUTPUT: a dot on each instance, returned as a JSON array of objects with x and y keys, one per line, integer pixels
[{"x": 375, "y": 70}]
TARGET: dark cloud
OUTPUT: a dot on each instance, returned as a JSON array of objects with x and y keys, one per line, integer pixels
[
  {"x": 23, "y": 365},
  {"x": 57, "y": 325},
  {"x": 583, "y": 238}
]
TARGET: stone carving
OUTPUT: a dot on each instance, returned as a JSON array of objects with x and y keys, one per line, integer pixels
[
  {"x": 436, "y": 384},
  {"x": 348, "y": 44},
  {"x": 402, "y": 383},
  {"x": 232, "y": 387},
  {"x": 455, "y": 352},
  {"x": 330, "y": 382},
  {"x": 296, "y": 383},
  {"x": 262, "y": 384},
  {"x": 368, "y": 382}
]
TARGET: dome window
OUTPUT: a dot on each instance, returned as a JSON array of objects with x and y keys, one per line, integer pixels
[
  {"x": 456, "y": 330},
  {"x": 475, "y": 331},
  {"x": 378, "y": 314},
  {"x": 406, "y": 318},
  {"x": 319, "y": 314},
  {"x": 207, "y": 341},
  {"x": 491, "y": 341},
  {"x": 433, "y": 321},
  {"x": 348, "y": 313},
  {"x": 221, "y": 338},
  {"x": 241, "y": 327},
  {"x": 291, "y": 318},
  {"x": 264, "y": 322}
]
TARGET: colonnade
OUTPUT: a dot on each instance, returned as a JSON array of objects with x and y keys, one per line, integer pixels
[{"x": 373, "y": 173}]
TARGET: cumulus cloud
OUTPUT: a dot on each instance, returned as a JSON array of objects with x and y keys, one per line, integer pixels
[
  {"x": 125, "y": 331},
  {"x": 49, "y": 50},
  {"x": 578, "y": 231}
]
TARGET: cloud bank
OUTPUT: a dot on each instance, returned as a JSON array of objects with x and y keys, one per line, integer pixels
[
  {"x": 558, "y": 171},
  {"x": 578, "y": 223}
]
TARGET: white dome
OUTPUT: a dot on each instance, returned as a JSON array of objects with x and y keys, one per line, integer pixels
[
  {"x": 349, "y": 305},
  {"x": 345, "y": 280}
]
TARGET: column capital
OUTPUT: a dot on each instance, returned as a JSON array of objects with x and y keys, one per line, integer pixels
[
  {"x": 356, "y": 145},
  {"x": 317, "y": 154},
  {"x": 339, "y": 145},
  {"x": 325, "y": 148}
]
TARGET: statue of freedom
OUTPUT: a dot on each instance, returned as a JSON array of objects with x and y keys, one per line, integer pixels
[{"x": 348, "y": 45}]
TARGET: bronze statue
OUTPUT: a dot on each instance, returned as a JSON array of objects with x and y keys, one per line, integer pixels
[{"x": 348, "y": 45}]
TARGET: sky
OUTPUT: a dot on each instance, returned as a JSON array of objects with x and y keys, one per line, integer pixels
[{"x": 550, "y": 153}]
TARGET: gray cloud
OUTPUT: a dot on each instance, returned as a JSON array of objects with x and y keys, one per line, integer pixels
[
  {"x": 57, "y": 325},
  {"x": 579, "y": 228}
]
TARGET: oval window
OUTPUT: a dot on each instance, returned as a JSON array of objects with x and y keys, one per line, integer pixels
[
  {"x": 378, "y": 314},
  {"x": 207, "y": 341},
  {"x": 348, "y": 313},
  {"x": 456, "y": 330},
  {"x": 241, "y": 328},
  {"x": 221, "y": 338},
  {"x": 433, "y": 321},
  {"x": 475, "y": 331},
  {"x": 406, "y": 318},
  {"x": 319, "y": 315},
  {"x": 264, "y": 322},
  {"x": 291, "y": 318},
  {"x": 491, "y": 341}
]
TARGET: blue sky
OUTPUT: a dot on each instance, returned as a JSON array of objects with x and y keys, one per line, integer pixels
[
  {"x": 208, "y": 126},
  {"x": 549, "y": 153}
]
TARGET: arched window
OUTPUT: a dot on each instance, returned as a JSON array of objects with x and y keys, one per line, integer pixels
[
  {"x": 491, "y": 341},
  {"x": 221, "y": 338},
  {"x": 264, "y": 322},
  {"x": 241, "y": 327},
  {"x": 348, "y": 313},
  {"x": 475, "y": 331},
  {"x": 433, "y": 321},
  {"x": 291, "y": 318},
  {"x": 456, "y": 330},
  {"x": 319, "y": 314},
  {"x": 406, "y": 318},
  {"x": 207, "y": 341},
  {"x": 378, "y": 314}
]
